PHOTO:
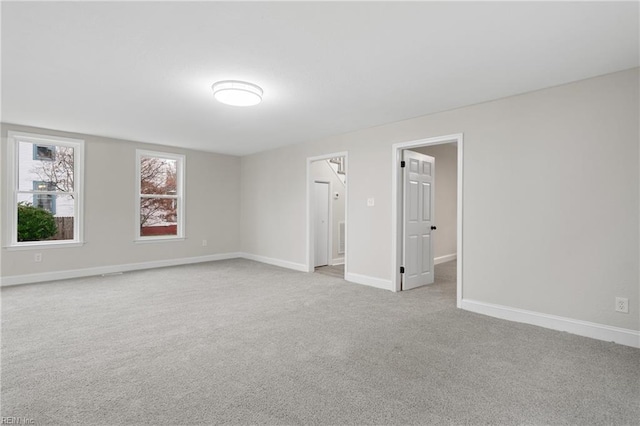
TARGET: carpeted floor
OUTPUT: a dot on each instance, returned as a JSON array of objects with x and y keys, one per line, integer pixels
[{"x": 240, "y": 342}]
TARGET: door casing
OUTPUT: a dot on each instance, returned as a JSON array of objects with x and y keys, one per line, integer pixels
[
  {"x": 328, "y": 227},
  {"x": 310, "y": 259},
  {"x": 396, "y": 210}
]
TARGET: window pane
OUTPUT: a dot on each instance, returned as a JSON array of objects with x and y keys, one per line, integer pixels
[
  {"x": 45, "y": 217},
  {"x": 45, "y": 163},
  {"x": 158, "y": 216},
  {"x": 158, "y": 176}
]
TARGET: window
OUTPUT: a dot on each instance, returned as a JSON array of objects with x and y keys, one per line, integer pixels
[
  {"x": 44, "y": 152},
  {"x": 160, "y": 195},
  {"x": 45, "y": 177}
]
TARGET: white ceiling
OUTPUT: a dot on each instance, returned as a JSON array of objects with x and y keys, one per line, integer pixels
[{"x": 143, "y": 71}]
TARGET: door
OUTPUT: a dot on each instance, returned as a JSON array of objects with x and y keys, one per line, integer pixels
[
  {"x": 417, "y": 250},
  {"x": 321, "y": 223}
]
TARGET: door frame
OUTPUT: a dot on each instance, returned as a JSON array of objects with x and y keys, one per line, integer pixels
[
  {"x": 329, "y": 224},
  {"x": 396, "y": 206},
  {"x": 310, "y": 236}
]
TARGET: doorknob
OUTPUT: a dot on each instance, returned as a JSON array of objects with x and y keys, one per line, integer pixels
[{"x": 433, "y": 228}]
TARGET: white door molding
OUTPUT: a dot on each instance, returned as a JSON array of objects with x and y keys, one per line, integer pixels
[
  {"x": 310, "y": 258},
  {"x": 320, "y": 210},
  {"x": 396, "y": 203}
]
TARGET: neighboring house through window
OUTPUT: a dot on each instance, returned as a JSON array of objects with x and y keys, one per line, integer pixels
[
  {"x": 45, "y": 180},
  {"x": 160, "y": 204},
  {"x": 44, "y": 152},
  {"x": 44, "y": 201}
]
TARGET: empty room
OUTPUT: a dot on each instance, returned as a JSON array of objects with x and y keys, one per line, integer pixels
[{"x": 292, "y": 213}]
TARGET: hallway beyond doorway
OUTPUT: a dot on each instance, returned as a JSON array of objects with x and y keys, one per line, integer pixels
[{"x": 336, "y": 271}]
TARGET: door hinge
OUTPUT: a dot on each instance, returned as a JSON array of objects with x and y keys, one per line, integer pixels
[
  {"x": 402, "y": 163},
  {"x": 402, "y": 269}
]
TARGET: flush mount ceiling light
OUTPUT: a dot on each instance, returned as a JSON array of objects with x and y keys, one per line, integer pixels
[{"x": 237, "y": 93}]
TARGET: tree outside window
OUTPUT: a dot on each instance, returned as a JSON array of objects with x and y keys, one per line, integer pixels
[{"x": 160, "y": 195}]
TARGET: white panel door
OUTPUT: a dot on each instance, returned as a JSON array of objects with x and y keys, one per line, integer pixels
[
  {"x": 321, "y": 223},
  {"x": 417, "y": 251}
]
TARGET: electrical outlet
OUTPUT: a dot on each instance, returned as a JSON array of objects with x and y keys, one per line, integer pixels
[
  {"x": 622, "y": 305},
  {"x": 204, "y": 243},
  {"x": 37, "y": 257},
  {"x": 371, "y": 202}
]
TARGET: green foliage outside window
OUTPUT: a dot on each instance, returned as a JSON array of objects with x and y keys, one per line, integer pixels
[{"x": 34, "y": 223}]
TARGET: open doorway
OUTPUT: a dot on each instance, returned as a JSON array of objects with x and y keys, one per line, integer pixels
[
  {"x": 427, "y": 213},
  {"x": 327, "y": 214}
]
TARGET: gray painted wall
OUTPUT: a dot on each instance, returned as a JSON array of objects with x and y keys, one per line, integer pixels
[
  {"x": 551, "y": 217},
  {"x": 212, "y": 195},
  {"x": 446, "y": 202}
]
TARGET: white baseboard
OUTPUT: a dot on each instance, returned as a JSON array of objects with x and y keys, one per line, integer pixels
[
  {"x": 607, "y": 333},
  {"x": 446, "y": 258},
  {"x": 354, "y": 278},
  {"x": 277, "y": 262},
  {"x": 367, "y": 280},
  {"x": 112, "y": 269},
  {"x": 337, "y": 261}
]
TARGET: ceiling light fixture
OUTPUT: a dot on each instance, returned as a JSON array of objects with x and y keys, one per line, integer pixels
[{"x": 237, "y": 93}]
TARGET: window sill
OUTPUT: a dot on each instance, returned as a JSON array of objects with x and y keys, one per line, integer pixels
[
  {"x": 40, "y": 246},
  {"x": 158, "y": 240}
]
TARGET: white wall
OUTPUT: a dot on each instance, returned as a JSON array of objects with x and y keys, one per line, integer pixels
[
  {"x": 212, "y": 195},
  {"x": 551, "y": 216},
  {"x": 446, "y": 197},
  {"x": 322, "y": 171}
]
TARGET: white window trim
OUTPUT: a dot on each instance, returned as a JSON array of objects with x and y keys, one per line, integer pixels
[
  {"x": 13, "y": 138},
  {"x": 181, "y": 165}
]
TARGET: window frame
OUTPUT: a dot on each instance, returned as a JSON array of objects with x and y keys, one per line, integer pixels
[
  {"x": 12, "y": 177},
  {"x": 179, "y": 197}
]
